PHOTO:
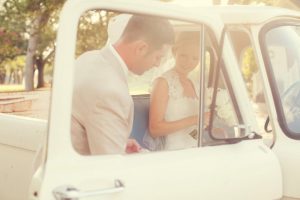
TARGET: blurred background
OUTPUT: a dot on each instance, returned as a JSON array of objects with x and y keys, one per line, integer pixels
[
  {"x": 28, "y": 31},
  {"x": 27, "y": 47}
]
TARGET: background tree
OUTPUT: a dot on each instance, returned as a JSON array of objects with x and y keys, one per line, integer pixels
[
  {"x": 92, "y": 32},
  {"x": 35, "y": 23},
  {"x": 43, "y": 15},
  {"x": 11, "y": 71},
  {"x": 12, "y": 37}
]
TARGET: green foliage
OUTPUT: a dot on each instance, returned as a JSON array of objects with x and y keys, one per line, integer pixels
[
  {"x": 249, "y": 66},
  {"x": 92, "y": 30},
  {"x": 12, "y": 28},
  {"x": 17, "y": 22},
  {"x": 11, "y": 44},
  {"x": 15, "y": 64}
]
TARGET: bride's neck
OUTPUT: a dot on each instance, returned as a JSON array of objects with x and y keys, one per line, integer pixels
[{"x": 181, "y": 75}]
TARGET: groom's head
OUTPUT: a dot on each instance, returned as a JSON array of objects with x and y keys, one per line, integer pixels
[{"x": 144, "y": 42}]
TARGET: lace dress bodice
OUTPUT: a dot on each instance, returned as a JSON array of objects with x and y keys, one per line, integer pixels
[{"x": 179, "y": 107}]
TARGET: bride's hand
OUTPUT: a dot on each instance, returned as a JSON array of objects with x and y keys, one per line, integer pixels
[{"x": 194, "y": 119}]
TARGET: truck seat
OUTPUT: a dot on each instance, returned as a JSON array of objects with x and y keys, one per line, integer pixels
[{"x": 141, "y": 118}]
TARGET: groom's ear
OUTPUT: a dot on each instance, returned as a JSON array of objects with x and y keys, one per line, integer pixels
[{"x": 141, "y": 48}]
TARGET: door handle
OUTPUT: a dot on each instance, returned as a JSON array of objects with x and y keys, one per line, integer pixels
[{"x": 67, "y": 192}]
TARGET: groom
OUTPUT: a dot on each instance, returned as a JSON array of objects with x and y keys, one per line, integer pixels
[{"x": 102, "y": 109}]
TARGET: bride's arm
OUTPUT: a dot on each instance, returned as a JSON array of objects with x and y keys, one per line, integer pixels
[{"x": 158, "y": 106}]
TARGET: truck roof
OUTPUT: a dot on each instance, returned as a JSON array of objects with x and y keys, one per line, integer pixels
[
  {"x": 229, "y": 14},
  {"x": 248, "y": 14}
]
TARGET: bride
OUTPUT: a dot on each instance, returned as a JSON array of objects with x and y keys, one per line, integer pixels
[{"x": 174, "y": 99}]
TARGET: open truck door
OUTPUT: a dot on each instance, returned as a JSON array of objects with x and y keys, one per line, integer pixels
[
  {"x": 238, "y": 166},
  {"x": 279, "y": 41},
  {"x": 267, "y": 51}
]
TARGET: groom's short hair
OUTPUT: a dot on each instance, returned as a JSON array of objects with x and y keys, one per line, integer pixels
[{"x": 154, "y": 30}]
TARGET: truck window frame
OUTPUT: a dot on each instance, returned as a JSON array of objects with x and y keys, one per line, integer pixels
[
  {"x": 217, "y": 71},
  {"x": 281, "y": 119}
]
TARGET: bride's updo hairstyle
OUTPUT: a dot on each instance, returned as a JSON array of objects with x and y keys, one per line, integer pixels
[{"x": 186, "y": 38}]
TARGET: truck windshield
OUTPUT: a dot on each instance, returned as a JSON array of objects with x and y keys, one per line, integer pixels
[{"x": 283, "y": 55}]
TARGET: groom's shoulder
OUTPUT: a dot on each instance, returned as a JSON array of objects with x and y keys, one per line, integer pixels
[
  {"x": 96, "y": 57},
  {"x": 91, "y": 60},
  {"x": 89, "y": 55}
]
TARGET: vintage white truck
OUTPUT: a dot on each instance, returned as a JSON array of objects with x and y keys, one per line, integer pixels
[{"x": 241, "y": 165}]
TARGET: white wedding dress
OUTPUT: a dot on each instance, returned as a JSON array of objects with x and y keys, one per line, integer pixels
[{"x": 179, "y": 107}]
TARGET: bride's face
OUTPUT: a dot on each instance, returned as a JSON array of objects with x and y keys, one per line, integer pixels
[{"x": 187, "y": 57}]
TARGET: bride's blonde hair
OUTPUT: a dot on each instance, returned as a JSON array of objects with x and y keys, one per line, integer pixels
[{"x": 186, "y": 38}]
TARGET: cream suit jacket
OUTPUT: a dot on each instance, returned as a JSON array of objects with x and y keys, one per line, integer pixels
[{"x": 102, "y": 109}]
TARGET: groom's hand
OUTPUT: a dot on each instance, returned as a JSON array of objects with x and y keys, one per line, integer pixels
[{"x": 133, "y": 146}]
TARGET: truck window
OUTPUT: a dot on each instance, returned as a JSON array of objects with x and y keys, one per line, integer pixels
[
  {"x": 281, "y": 44},
  {"x": 226, "y": 116},
  {"x": 105, "y": 28},
  {"x": 248, "y": 66},
  {"x": 162, "y": 97}
]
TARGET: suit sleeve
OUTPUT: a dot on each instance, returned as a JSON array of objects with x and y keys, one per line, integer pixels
[{"x": 108, "y": 124}]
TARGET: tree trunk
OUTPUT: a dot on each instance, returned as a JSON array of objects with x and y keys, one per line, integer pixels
[
  {"x": 7, "y": 76},
  {"x": 32, "y": 47},
  {"x": 40, "y": 67}
]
